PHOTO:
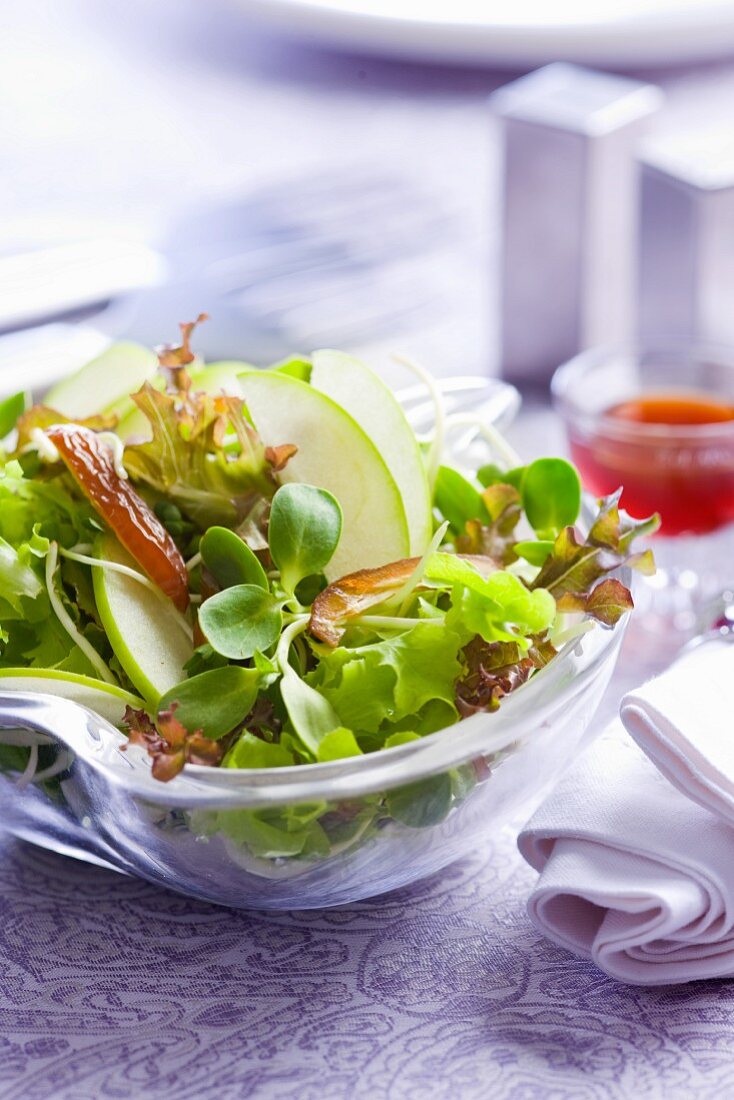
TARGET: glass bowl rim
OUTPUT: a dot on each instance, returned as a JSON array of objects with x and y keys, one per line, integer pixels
[{"x": 573, "y": 412}]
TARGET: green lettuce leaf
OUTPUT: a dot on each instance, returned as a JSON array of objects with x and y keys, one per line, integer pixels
[
  {"x": 422, "y": 804},
  {"x": 272, "y": 834},
  {"x": 52, "y": 508},
  {"x": 32, "y": 513},
  {"x": 17, "y": 578},
  {"x": 250, "y": 751},
  {"x": 337, "y": 745},
  {"x": 488, "y": 606},
  {"x": 392, "y": 679}
]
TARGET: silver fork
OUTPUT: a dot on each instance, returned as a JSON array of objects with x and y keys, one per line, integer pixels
[{"x": 490, "y": 399}]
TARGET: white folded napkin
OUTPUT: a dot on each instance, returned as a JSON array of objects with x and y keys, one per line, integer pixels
[
  {"x": 636, "y": 874},
  {"x": 684, "y": 721}
]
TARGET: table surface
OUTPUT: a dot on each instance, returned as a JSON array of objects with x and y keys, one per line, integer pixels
[{"x": 110, "y": 987}]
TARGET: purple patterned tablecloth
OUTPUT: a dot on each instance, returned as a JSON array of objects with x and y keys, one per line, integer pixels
[{"x": 111, "y": 988}]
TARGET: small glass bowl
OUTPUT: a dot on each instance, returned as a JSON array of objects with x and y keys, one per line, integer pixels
[
  {"x": 386, "y": 819},
  {"x": 683, "y": 471}
]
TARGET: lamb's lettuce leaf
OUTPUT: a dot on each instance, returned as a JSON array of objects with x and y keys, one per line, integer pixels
[
  {"x": 271, "y": 834},
  {"x": 11, "y": 409},
  {"x": 213, "y": 702},
  {"x": 303, "y": 533},
  {"x": 241, "y": 621}
]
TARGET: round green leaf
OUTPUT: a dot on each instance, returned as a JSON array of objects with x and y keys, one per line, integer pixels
[
  {"x": 551, "y": 493},
  {"x": 421, "y": 804},
  {"x": 304, "y": 531},
  {"x": 213, "y": 702},
  {"x": 240, "y": 621},
  {"x": 496, "y": 475},
  {"x": 534, "y": 552},
  {"x": 230, "y": 560},
  {"x": 457, "y": 499},
  {"x": 10, "y": 410}
]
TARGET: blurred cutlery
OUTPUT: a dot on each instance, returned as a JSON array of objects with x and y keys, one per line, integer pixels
[
  {"x": 41, "y": 283},
  {"x": 339, "y": 256}
]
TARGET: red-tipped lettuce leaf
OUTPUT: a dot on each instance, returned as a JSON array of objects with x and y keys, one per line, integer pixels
[{"x": 186, "y": 459}]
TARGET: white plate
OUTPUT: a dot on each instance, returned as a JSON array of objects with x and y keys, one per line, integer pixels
[{"x": 512, "y": 32}]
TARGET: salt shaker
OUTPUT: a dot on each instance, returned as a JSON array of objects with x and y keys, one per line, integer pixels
[
  {"x": 686, "y": 284},
  {"x": 568, "y": 274}
]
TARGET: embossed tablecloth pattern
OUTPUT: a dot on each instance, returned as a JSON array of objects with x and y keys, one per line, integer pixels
[{"x": 111, "y": 988}]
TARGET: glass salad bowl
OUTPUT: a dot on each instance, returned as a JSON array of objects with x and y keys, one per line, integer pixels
[{"x": 246, "y": 838}]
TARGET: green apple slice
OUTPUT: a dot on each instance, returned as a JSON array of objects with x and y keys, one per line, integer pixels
[
  {"x": 107, "y": 700},
  {"x": 146, "y": 632},
  {"x": 334, "y": 453},
  {"x": 367, "y": 399},
  {"x": 105, "y": 382},
  {"x": 220, "y": 377}
]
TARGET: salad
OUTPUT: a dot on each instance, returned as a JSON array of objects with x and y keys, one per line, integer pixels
[{"x": 259, "y": 568}]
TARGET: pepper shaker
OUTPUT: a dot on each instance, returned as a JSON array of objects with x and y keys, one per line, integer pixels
[
  {"x": 686, "y": 286},
  {"x": 570, "y": 206}
]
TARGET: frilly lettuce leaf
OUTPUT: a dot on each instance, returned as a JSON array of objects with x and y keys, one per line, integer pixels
[
  {"x": 389, "y": 680},
  {"x": 490, "y": 603},
  {"x": 574, "y": 565},
  {"x": 51, "y": 507},
  {"x": 606, "y": 603},
  {"x": 388, "y": 685},
  {"x": 493, "y": 669},
  {"x": 42, "y": 416},
  {"x": 17, "y": 578},
  {"x": 202, "y": 455},
  {"x": 32, "y": 512}
]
